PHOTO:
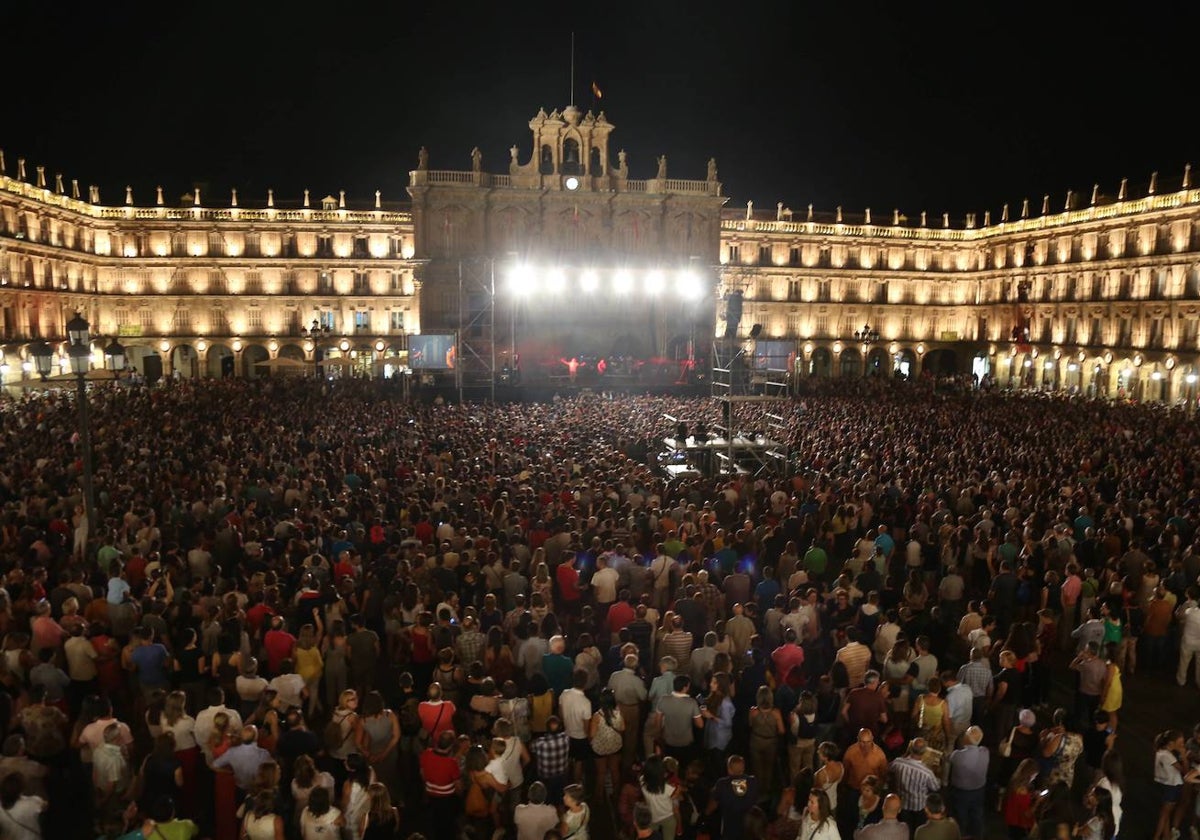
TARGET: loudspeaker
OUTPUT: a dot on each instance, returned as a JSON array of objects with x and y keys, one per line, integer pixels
[{"x": 733, "y": 314}]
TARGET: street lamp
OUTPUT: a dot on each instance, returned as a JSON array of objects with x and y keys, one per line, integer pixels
[
  {"x": 114, "y": 355},
  {"x": 79, "y": 351},
  {"x": 42, "y": 355},
  {"x": 866, "y": 337}
]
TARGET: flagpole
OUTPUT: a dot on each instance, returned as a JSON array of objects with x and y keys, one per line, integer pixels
[{"x": 572, "y": 97}]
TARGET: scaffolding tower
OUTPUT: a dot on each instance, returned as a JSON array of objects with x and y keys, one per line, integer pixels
[
  {"x": 476, "y": 326},
  {"x": 744, "y": 447}
]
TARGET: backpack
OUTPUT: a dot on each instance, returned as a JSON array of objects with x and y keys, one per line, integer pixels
[
  {"x": 410, "y": 720},
  {"x": 332, "y": 737}
]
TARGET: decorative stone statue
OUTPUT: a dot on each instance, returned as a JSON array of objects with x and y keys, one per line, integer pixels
[
  {"x": 662, "y": 167},
  {"x": 513, "y": 166},
  {"x": 622, "y": 164},
  {"x": 476, "y": 160},
  {"x": 750, "y": 209},
  {"x": 712, "y": 169},
  {"x": 422, "y": 158},
  {"x": 779, "y": 211}
]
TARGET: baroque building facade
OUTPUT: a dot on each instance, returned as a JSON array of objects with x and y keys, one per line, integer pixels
[{"x": 1101, "y": 297}]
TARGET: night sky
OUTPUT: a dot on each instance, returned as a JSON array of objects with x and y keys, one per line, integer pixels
[{"x": 955, "y": 107}]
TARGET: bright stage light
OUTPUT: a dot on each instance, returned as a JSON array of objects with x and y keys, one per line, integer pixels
[
  {"x": 654, "y": 282},
  {"x": 589, "y": 281},
  {"x": 623, "y": 282},
  {"x": 556, "y": 281},
  {"x": 522, "y": 280},
  {"x": 688, "y": 285}
]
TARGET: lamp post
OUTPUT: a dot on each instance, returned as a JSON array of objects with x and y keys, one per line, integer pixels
[
  {"x": 41, "y": 354},
  {"x": 866, "y": 337},
  {"x": 114, "y": 355},
  {"x": 79, "y": 350}
]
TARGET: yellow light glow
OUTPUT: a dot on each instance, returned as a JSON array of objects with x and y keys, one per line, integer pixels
[
  {"x": 379, "y": 346},
  {"x": 837, "y": 347},
  {"x": 343, "y": 345},
  {"x": 164, "y": 346},
  {"x": 237, "y": 345},
  {"x": 201, "y": 346},
  {"x": 273, "y": 345}
]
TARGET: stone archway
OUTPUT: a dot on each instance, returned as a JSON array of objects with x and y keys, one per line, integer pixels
[
  {"x": 906, "y": 364},
  {"x": 850, "y": 364},
  {"x": 185, "y": 362},
  {"x": 822, "y": 363},
  {"x": 941, "y": 362},
  {"x": 292, "y": 351},
  {"x": 220, "y": 361},
  {"x": 879, "y": 363},
  {"x": 251, "y": 356}
]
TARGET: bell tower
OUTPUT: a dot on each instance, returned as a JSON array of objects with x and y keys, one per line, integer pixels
[{"x": 568, "y": 144}]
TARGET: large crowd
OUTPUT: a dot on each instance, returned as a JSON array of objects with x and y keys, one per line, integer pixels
[{"x": 322, "y": 611}]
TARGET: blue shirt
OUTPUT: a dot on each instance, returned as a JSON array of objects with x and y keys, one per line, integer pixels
[
  {"x": 151, "y": 664},
  {"x": 118, "y": 588},
  {"x": 886, "y": 544},
  {"x": 244, "y": 760},
  {"x": 765, "y": 593},
  {"x": 719, "y": 730}
]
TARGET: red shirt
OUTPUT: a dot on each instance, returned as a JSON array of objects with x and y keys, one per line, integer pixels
[
  {"x": 343, "y": 569},
  {"x": 279, "y": 645},
  {"x": 785, "y": 658},
  {"x": 424, "y": 531},
  {"x": 135, "y": 571},
  {"x": 256, "y": 615},
  {"x": 440, "y": 773},
  {"x": 568, "y": 582},
  {"x": 619, "y": 615}
]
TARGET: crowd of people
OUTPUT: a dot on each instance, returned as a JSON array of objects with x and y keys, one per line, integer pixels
[{"x": 322, "y": 611}]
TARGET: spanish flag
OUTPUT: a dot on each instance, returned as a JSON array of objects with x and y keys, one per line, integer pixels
[{"x": 596, "y": 92}]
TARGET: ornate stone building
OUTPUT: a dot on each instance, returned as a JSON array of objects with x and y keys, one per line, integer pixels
[{"x": 566, "y": 254}]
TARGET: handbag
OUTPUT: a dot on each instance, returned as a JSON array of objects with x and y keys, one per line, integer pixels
[
  {"x": 1005, "y": 748},
  {"x": 477, "y": 804}
]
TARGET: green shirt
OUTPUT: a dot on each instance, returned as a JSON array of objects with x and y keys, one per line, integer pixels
[{"x": 815, "y": 560}]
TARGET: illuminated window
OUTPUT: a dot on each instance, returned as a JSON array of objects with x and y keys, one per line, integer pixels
[
  {"x": 146, "y": 318},
  {"x": 764, "y": 254},
  {"x": 327, "y": 319},
  {"x": 254, "y": 317},
  {"x": 362, "y": 320},
  {"x": 793, "y": 290},
  {"x": 397, "y": 320},
  {"x": 735, "y": 253},
  {"x": 122, "y": 316}
]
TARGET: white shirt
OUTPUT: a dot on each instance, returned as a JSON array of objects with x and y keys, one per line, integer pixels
[
  {"x": 576, "y": 711},
  {"x": 604, "y": 585},
  {"x": 20, "y": 822},
  {"x": 533, "y": 821},
  {"x": 1189, "y": 617},
  {"x": 1117, "y": 794},
  {"x": 184, "y": 731},
  {"x": 660, "y": 571},
  {"x": 204, "y": 727}
]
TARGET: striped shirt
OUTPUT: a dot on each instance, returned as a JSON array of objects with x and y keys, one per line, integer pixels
[
  {"x": 856, "y": 657},
  {"x": 914, "y": 781},
  {"x": 677, "y": 643}
]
